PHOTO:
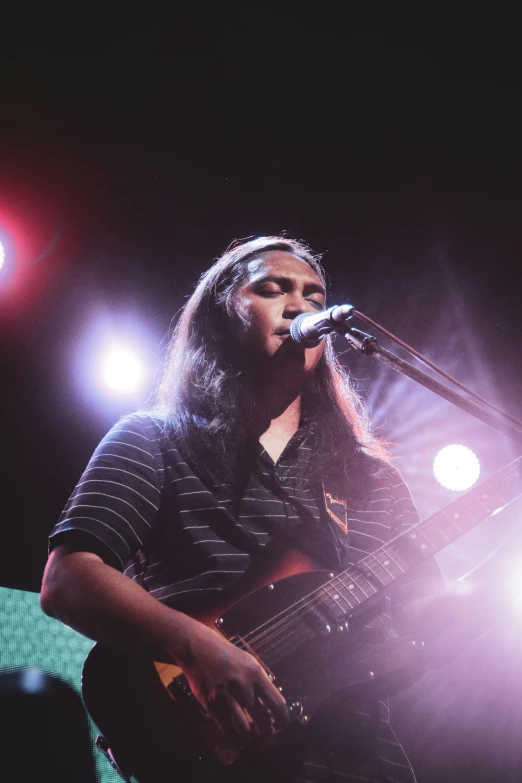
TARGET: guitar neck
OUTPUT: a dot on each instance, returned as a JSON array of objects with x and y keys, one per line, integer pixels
[{"x": 353, "y": 587}]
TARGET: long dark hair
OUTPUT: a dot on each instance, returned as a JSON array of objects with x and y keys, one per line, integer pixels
[{"x": 204, "y": 397}]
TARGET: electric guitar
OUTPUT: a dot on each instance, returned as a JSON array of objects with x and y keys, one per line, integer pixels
[{"x": 298, "y": 622}]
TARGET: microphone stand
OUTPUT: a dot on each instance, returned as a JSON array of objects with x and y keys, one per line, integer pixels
[{"x": 478, "y": 407}]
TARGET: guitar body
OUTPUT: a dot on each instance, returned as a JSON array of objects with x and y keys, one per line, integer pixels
[{"x": 156, "y": 728}]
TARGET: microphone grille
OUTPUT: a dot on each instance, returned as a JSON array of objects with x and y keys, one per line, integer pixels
[{"x": 297, "y": 335}]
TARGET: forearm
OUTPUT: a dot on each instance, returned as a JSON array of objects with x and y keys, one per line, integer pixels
[
  {"x": 81, "y": 591},
  {"x": 98, "y": 601}
]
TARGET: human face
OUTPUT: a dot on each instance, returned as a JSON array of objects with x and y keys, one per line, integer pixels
[{"x": 277, "y": 287}]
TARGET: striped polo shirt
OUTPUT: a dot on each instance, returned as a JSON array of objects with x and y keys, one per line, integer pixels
[{"x": 184, "y": 542}]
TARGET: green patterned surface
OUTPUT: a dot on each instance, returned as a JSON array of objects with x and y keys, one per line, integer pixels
[{"x": 29, "y": 638}]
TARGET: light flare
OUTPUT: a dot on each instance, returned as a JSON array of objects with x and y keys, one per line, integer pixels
[{"x": 516, "y": 586}]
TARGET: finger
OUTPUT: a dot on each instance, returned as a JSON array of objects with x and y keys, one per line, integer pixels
[
  {"x": 274, "y": 702},
  {"x": 259, "y": 712},
  {"x": 231, "y": 719},
  {"x": 263, "y": 719}
]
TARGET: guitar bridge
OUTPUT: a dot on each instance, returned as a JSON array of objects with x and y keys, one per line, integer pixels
[
  {"x": 180, "y": 691},
  {"x": 179, "y": 687}
]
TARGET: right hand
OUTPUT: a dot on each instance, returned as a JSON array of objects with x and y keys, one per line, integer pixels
[{"x": 231, "y": 685}]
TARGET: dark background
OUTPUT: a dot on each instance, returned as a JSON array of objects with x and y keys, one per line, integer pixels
[{"x": 134, "y": 148}]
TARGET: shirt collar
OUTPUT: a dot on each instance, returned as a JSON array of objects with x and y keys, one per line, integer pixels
[{"x": 291, "y": 449}]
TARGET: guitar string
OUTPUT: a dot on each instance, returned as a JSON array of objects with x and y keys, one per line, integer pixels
[
  {"x": 292, "y": 614},
  {"x": 313, "y": 599},
  {"x": 317, "y": 598},
  {"x": 381, "y": 551},
  {"x": 287, "y": 617},
  {"x": 275, "y": 633},
  {"x": 297, "y": 610}
]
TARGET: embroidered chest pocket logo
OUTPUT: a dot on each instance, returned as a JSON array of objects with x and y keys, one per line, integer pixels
[{"x": 337, "y": 510}]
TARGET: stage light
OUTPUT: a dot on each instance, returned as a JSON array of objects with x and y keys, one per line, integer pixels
[
  {"x": 121, "y": 369},
  {"x": 114, "y": 360},
  {"x": 7, "y": 258},
  {"x": 456, "y": 467}
]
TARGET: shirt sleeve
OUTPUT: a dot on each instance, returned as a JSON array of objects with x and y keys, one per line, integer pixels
[
  {"x": 118, "y": 495},
  {"x": 424, "y": 579}
]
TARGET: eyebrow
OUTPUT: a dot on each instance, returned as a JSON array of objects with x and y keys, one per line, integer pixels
[{"x": 313, "y": 288}]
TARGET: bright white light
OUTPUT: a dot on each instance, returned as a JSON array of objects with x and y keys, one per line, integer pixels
[
  {"x": 113, "y": 360},
  {"x": 2, "y": 255},
  {"x": 121, "y": 369},
  {"x": 456, "y": 467},
  {"x": 516, "y": 584}
]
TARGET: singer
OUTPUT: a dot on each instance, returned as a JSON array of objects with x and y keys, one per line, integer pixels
[{"x": 255, "y": 446}]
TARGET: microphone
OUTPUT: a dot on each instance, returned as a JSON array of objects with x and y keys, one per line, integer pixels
[{"x": 308, "y": 329}]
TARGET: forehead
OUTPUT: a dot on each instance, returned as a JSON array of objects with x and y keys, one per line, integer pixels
[{"x": 279, "y": 263}]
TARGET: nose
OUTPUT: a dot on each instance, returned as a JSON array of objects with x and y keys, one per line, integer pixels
[{"x": 295, "y": 304}]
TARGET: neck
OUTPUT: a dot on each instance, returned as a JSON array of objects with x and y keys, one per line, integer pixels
[
  {"x": 281, "y": 428},
  {"x": 277, "y": 406}
]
